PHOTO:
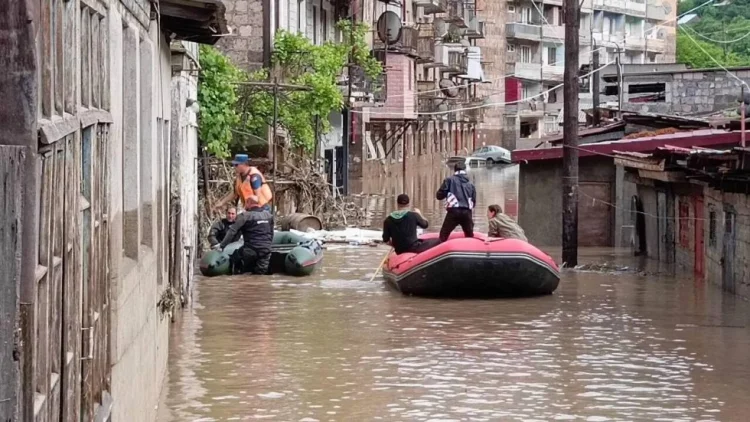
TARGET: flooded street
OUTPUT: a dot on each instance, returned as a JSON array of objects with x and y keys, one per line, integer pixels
[{"x": 336, "y": 347}]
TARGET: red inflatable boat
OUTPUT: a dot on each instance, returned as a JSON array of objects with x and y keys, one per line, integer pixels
[{"x": 473, "y": 267}]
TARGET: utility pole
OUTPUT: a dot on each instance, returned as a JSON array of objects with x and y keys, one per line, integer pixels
[
  {"x": 572, "y": 15},
  {"x": 743, "y": 111},
  {"x": 618, "y": 63},
  {"x": 273, "y": 138},
  {"x": 595, "y": 86}
]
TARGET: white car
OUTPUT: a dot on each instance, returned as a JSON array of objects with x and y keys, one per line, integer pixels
[{"x": 492, "y": 154}]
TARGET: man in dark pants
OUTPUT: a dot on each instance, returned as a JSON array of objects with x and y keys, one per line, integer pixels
[
  {"x": 460, "y": 196},
  {"x": 400, "y": 228},
  {"x": 256, "y": 226}
]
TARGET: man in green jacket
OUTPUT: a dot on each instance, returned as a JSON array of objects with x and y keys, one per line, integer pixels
[{"x": 502, "y": 225}]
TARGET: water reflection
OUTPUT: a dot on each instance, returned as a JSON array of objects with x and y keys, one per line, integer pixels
[{"x": 334, "y": 347}]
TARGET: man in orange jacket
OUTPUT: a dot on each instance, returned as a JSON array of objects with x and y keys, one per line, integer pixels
[{"x": 249, "y": 182}]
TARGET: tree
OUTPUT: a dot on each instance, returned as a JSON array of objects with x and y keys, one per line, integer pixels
[{"x": 689, "y": 53}]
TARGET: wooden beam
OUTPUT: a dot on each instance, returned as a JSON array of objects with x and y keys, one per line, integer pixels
[
  {"x": 664, "y": 176},
  {"x": 654, "y": 165}
]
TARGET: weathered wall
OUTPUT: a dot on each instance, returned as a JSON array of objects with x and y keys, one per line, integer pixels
[
  {"x": 493, "y": 54},
  {"x": 139, "y": 333},
  {"x": 540, "y": 198},
  {"x": 245, "y": 47},
  {"x": 720, "y": 245}
]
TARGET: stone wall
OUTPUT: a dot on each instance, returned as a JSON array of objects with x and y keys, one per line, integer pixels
[
  {"x": 689, "y": 92},
  {"x": 245, "y": 46}
]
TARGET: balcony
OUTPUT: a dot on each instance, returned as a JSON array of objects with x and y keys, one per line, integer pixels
[
  {"x": 458, "y": 62},
  {"x": 427, "y": 89},
  {"x": 476, "y": 29},
  {"x": 426, "y": 44},
  {"x": 430, "y": 7},
  {"x": 529, "y": 71},
  {"x": 523, "y": 31},
  {"x": 474, "y": 111},
  {"x": 625, "y": 7},
  {"x": 553, "y": 73},
  {"x": 635, "y": 43},
  {"x": 611, "y": 40},
  {"x": 656, "y": 45},
  {"x": 554, "y": 32},
  {"x": 435, "y": 108},
  {"x": 366, "y": 91},
  {"x": 407, "y": 44},
  {"x": 457, "y": 13},
  {"x": 399, "y": 105},
  {"x": 530, "y": 108}
]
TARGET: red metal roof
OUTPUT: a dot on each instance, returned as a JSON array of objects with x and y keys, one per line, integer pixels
[{"x": 697, "y": 138}]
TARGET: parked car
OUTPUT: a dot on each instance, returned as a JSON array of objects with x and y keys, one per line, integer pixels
[{"x": 492, "y": 154}]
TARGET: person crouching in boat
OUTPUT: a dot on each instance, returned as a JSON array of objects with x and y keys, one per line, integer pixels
[
  {"x": 248, "y": 181},
  {"x": 220, "y": 228},
  {"x": 400, "y": 228},
  {"x": 459, "y": 195},
  {"x": 256, "y": 226},
  {"x": 502, "y": 225}
]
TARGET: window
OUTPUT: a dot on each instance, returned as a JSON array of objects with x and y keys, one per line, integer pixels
[
  {"x": 525, "y": 92},
  {"x": 712, "y": 229},
  {"x": 511, "y": 9},
  {"x": 647, "y": 93},
  {"x": 526, "y": 15},
  {"x": 301, "y": 16},
  {"x": 551, "y": 56},
  {"x": 510, "y": 48},
  {"x": 728, "y": 222},
  {"x": 551, "y": 95},
  {"x": 324, "y": 20},
  {"x": 315, "y": 24},
  {"x": 550, "y": 125},
  {"x": 525, "y": 54}
]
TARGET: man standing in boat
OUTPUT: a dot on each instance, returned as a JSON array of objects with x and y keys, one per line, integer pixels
[
  {"x": 256, "y": 226},
  {"x": 400, "y": 228},
  {"x": 460, "y": 196},
  {"x": 248, "y": 181},
  {"x": 502, "y": 225}
]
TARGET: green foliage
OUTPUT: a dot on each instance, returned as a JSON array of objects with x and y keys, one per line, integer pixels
[
  {"x": 217, "y": 98},
  {"x": 298, "y": 62},
  {"x": 716, "y": 30}
]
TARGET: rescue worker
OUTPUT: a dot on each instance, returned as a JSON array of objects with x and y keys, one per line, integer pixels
[
  {"x": 219, "y": 229},
  {"x": 249, "y": 181},
  {"x": 256, "y": 226},
  {"x": 460, "y": 196},
  {"x": 400, "y": 229},
  {"x": 502, "y": 225}
]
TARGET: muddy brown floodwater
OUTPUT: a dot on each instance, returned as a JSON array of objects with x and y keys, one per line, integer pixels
[{"x": 335, "y": 347}]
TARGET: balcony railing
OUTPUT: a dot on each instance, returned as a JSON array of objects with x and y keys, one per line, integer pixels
[
  {"x": 432, "y": 6},
  {"x": 458, "y": 62},
  {"x": 524, "y": 31},
  {"x": 635, "y": 43},
  {"x": 427, "y": 88},
  {"x": 553, "y": 72},
  {"x": 407, "y": 44},
  {"x": 366, "y": 89},
  {"x": 626, "y": 7},
  {"x": 426, "y": 44},
  {"x": 457, "y": 13},
  {"x": 657, "y": 45},
  {"x": 474, "y": 111},
  {"x": 476, "y": 28}
]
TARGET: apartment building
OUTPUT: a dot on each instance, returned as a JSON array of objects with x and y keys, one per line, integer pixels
[
  {"x": 631, "y": 32},
  {"x": 430, "y": 105}
]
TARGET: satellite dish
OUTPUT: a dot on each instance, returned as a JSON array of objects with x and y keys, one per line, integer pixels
[
  {"x": 389, "y": 27},
  {"x": 448, "y": 88},
  {"x": 440, "y": 27}
]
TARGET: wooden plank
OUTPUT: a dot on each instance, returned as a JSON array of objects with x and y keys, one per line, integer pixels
[
  {"x": 69, "y": 56},
  {"x": 71, "y": 285},
  {"x": 85, "y": 51},
  {"x": 104, "y": 66},
  {"x": 45, "y": 37},
  {"x": 51, "y": 131},
  {"x": 55, "y": 293},
  {"x": 59, "y": 66},
  {"x": 11, "y": 211},
  {"x": 90, "y": 117},
  {"x": 664, "y": 176},
  {"x": 654, "y": 165}
]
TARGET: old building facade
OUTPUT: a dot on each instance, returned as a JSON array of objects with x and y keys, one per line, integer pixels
[{"x": 85, "y": 146}]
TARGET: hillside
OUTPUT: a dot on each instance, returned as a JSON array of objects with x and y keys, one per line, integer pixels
[{"x": 722, "y": 30}]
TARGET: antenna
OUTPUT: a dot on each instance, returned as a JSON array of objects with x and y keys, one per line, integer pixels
[{"x": 389, "y": 27}]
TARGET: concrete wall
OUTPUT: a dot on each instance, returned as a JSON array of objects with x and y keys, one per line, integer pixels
[
  {"x": 716, "y": 251},
  {"x": 540, "y": 197},
  {"x": 139, "y": 333}
]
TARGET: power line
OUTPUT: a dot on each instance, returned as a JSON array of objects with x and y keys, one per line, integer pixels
[
  {"x": 717, "y": 41},
  {"x": 697, "y": 44}
]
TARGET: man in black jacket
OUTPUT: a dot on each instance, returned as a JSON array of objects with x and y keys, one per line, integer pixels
[
  {"x": 256, "y": 226},
  {"x": 400, "y": 228},
  {"x": 219, "y": 229},
  {"x": 460, "y": 196}
]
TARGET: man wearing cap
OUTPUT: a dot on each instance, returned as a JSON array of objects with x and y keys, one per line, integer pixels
[
  {"x": 249, "y": 181},
  {"x": 256, "y": 226},
  {"x": 460, "y": 196},
  {"x": 400, "y": 228}
]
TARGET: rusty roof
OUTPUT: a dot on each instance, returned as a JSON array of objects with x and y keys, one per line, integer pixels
[{"x": 697, "y": 138}]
